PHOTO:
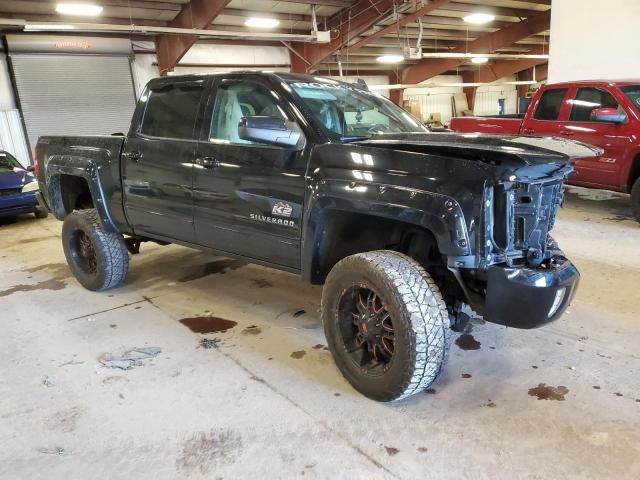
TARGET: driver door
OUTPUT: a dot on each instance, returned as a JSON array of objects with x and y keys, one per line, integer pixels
[{"x": 248, "y": 196}]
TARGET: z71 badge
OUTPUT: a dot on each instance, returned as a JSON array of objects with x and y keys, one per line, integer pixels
[{"x": 282, "y": 209}]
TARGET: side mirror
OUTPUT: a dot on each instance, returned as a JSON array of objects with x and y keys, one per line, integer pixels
[
  {"x": 607, "y": 115},
  {"x": 30, "y": 168},
  {"x": 269, "y": 130}
]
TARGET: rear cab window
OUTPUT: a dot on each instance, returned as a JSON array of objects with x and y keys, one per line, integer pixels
[
  {"x": 550, "y": 104},
  {"x": 171, "y": 110}
]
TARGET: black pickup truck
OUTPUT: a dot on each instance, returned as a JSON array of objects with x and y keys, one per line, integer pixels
[{"x": 406, "y": 229}]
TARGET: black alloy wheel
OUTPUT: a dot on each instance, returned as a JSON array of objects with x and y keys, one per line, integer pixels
[{"x": 366, "y": 329}]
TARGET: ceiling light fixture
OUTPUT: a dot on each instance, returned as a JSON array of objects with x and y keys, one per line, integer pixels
[
  {"x": 479, "y": 18},
  {"x": 391, "y": 58},
  {"x": 479, "y": 60},
  {"x": 262, "y": 22},
  {"x": 80, "y": 9},
  {"x": 30, "y": 27}
]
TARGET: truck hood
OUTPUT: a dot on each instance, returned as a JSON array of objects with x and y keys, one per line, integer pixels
[
  {"x": 13, "y": 179},
  {"x": 487, "y": 148}
]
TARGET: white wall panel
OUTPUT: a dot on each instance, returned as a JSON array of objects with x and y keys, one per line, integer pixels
[
  {"x": 7, "y": 102},
  {"x": 435, "y": 99},
  {"x": 12, "y": 137},
  {"x": 487, "y": 98},
  {"x": 592, "y": 39}
]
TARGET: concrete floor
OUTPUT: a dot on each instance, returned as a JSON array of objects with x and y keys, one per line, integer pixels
[{"x": 268, "y": 402}]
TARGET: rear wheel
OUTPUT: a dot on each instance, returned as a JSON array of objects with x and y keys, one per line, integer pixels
[
  {"x": 97, "y": 258},
  {"x": 386, "y": 324},
  {"x": 635, "y": 199}
]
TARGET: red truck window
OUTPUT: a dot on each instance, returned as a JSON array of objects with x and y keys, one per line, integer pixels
[
  {"x": 586, "y": 100},
  {"x": 550, "y": 104}
]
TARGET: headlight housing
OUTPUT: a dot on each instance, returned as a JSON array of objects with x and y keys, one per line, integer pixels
[{"x": 31, "y": 187}]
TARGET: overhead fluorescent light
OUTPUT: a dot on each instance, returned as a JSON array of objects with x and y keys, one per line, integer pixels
[
  {"x": 80, "y": 9},
  {"x": 479, "y": 18},
  {"x": 262, "y": 22},
  {"x": 30, "y": 27},
  {"x": 391, "y": 58},
  {"x": 479, "y": 60}
]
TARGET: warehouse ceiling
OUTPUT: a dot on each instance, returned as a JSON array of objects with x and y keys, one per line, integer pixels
[{"x": 361, "y": 31}]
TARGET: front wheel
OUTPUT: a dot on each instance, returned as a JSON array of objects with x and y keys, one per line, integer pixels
[
  {"x": 98, "y": 258},
  {"x": 635, "y": 199},
  {"x": 386, "y": 324}
]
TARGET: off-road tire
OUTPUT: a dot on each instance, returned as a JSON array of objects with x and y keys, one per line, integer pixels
[
  {"x": 419, "y": 316},
  {"x": 41, "y": 212},
  {"x": 110, "y": 259},
  {"x": 635, "y": 199}
]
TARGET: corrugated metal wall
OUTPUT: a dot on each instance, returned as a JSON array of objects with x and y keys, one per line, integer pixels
[
  {"x": 12, "y": 137},
  {"x": 73, "y": 94}
]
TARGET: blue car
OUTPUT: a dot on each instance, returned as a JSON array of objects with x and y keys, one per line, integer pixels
[{"x": 18, "y": 189}]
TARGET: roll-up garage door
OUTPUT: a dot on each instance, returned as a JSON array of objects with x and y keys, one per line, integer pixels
[{"x": 80, "y": 94}]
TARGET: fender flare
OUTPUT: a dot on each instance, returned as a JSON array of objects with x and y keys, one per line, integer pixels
[
  {"x": 76, "y": 166},
  {"x": 439, "y": 214}
]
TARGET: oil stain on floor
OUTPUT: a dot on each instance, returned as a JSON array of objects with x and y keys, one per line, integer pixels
[
  {"x": 208, "y": 324},
  {"x": 298, "y": 354},
  {"x": 53, "y": 284},
  {"x": 217, "y": 266},
  {"x": 467, "y": 342},
  {"x": 547, "y": 392}
]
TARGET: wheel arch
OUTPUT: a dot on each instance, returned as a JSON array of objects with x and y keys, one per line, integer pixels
[
  {"x": 73, "y": 183},
  {"x": 336, "y": 227},
  {"x": 634, "y": 172}
]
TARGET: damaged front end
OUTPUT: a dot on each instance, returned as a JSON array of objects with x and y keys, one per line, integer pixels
[
  {"x": 520, "y": 277},
  {"x": 528, "y": 279}
]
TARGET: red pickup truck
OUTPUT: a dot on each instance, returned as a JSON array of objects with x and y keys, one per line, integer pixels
[{"x": 605, "y": 114}]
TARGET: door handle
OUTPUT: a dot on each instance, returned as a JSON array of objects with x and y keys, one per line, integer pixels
[
  {"x": 527, "y": 130},
  {"x": 567, "y": 132},
  {"x": 134, "y": 156},
  {"x": 207, "y": 162}
]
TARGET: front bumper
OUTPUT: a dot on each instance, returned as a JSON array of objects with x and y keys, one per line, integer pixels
[
  {"x": 20, "y": 203},
  {"x": 528, "y": 297}
]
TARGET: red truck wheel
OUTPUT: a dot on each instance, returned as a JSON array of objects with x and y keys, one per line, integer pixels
[{"x": 635, "y": 199}]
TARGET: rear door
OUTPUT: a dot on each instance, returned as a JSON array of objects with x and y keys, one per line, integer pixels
[
  {"x": 548, "y": 111},
  {"x": 603, "y": 171},
  {"x": 248, "y": 196},
  {"x": 157, "y": 160}
]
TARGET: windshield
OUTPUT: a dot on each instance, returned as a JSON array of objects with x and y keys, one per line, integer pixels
[
  {"x": 348, "y": 111},
  {"x": 633, "y": 92},
  {"x": 8, "y": 163}
]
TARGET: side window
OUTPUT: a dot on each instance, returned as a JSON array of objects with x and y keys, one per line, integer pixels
[
  {"x": 589, "y": 98},
  {"x": 550, "y": 104},
  {"x": 171, "y": 111},
  {"x": 237, "y": 100}
]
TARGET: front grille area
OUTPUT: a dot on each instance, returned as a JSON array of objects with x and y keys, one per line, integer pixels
[
  {"x": 10, "y": 191},
  {"x": 523, "y": 216}
]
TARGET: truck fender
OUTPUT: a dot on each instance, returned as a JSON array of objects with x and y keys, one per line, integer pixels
[
  {"x": 437, "y": 213},
  {"x": 78, "y": 166}
]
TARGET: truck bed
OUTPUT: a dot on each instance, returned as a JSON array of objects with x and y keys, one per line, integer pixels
[{"x": 496, "y": 125}]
